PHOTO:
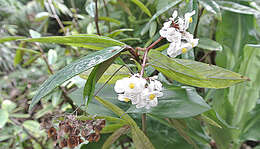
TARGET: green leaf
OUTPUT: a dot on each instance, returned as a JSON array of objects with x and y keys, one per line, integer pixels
[
  {"x": 33, "y": 127},
  {"x": 52, "y": 56},
  {"x": 117, "y": 32},
  {"x": 211, "y": 6},
  {"x": 123, "y": 72},
  {"x": 194, "y": 73},
  {"x": 10, "y": 38},
  {"x": 141, "y": 141},
  {"x": 112, "y": 138},
  {"x": 158, "y": 13},
  {"x": 208, "y": 44},
  {"x": 237, "y": 8},
  {"x": 94, "y": 76},
  {"x": 109, "y": 20},
  {"x": 80, "y": 40},
  {"x": 142, "y": 6},
  {"x": 3, "y": 117},
  {"x": 74, "y": 69},
  {"x": 153, "y": 28},
  {"x": 244, "y": 96},
  {"x": 8, "y": 105},
  {"x": 119, "y": 112},
  {"x": 20, "y": 115},
  {"x": 176, "y": 102}
]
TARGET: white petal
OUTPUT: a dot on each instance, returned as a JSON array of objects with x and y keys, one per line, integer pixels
[
  {"x": 153, "y": 102},
  {"x": 175, "y": 14},
  {"x": 120, "y": 85},
  {"x": 121, "y": 97}
]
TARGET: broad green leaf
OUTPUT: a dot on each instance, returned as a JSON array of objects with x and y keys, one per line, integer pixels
[
  {"x": 141, "y": 141},
  {"x": 158, "y": 13},
  {"x": 117, "y": 32},
  {"x": 142, "y": 7},
  {"x": 176, "y": 103},
  {"x": 163, "y": 47},
  {"x": 10, "y": 38},
  {"x": 41, "y": 16},
  {"x": 244, "y": 96},
  {"x": 56, "y": 98},
  {"x": 211, "y": 6},
  {"x": 33, "y": 127},
  {"x": 109, "y": 20},
  {"x": 208, "y": 44},
  {"x": 237, "y": 8},
  {"x": 74, "y": 69},
  {"x": 3, "y": 117},
  {"x": 20, "y": 115},
  {"x": 194, "y": 73},
  {"x": 80, "y": 40},
  {"x": 112, "y": 138},
  {"x": 110, "y": 128}
]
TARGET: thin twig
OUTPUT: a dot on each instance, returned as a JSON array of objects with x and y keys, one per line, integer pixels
[
  {"x": 54, "y": 14},
  {"x": 132, "y": 51},
  {"x": 144, "y": 123},
  {"x": 96, "y": 17},
  {"x": 107, "y": 14},
  {"x": 75, "y": 15},
  {"x": 27, "y": 132}
]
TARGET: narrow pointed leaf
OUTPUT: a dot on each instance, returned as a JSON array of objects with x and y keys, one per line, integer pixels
[
  {"x": 142, "y": 6},
  {"x": 74, "y": 69},
  {"x": 208, "y": 44},
  {"x": 141, "y": 141},
  {"x": 211, "y": 6},
  {"x": 81, "y": 40},
  {"x": 194, "y": 73},
  {"x": 237, "y": 8},
  {"x": 10, "y": 38}
]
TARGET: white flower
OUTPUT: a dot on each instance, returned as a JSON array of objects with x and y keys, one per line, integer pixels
[
  {"x": 188, "y": 19},
  {"x": 164, "y": 30},
  {"x": 151, "y": 97},
  {"x": 173, "y": 35},
  {"x": 174, "y": 51},
  {"x": 174, "y": 15},
  {"x": 130, "y": 85}
]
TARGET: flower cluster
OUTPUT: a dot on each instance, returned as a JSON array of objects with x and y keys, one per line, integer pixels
[
  {"x": 175, "y": 32},
  {"x": 139, "y": 91}
]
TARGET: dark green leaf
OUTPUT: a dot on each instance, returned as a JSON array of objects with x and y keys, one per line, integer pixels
[
  {"x": 194, "y": 73},
  {"x": 3, "y": 117},
  {"x": 142, "y": 6},
  {"x": 141, "y": 141},
  {"x": 74, "y": 69}
]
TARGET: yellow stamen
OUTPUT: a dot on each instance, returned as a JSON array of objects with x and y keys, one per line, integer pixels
[
  {"x": 190, "y": 20},
  {"x": 152, "y": 96},
  {"x": 126, "y": 99},
  {"x": 192, "y": 44},
  {"x": 132, "y": 85},
  {"x": 184, "y": 50}
]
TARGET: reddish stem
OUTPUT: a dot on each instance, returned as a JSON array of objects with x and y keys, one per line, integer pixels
[{"x": 146, "y": 53}]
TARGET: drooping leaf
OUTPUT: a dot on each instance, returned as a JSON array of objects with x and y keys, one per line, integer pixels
[
  {"x": 194, "y": 73},
  {"x": 237, "y": 8},
  {"x": 158, "y": 13},
  {"x": 109, "y": 20},
  {"x": 80, "y": 40},
  {"x": 142, "y": 7},
  {"x": 153, "y": 28},
  {"x": 117, "y": 32},
  {"x": 211, "y": 6},
  {"x": 74, "y": 69},
  {"x": 176, "y": 103},
  {"x": 208, "y": 44}
]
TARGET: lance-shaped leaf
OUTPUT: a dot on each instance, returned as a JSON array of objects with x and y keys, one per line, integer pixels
[
  {"x": 208, "y": 44},
  {"x": 74, "y": 69},
  {"x": 211, "y": 6},
  {"x": 10, "y": 38},
  {"x": 82, "y": 40},
  {"x": 176, "y": 103},
  {"x": 194, "y": 73},
  {"x": 237, "y": 8}
]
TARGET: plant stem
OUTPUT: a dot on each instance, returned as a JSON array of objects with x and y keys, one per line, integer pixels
[
  {"x": 144, "y": 123},
  {"x": 141, "y": 75},
  {"x": 107, "y": 14},
  {"x": 96, "y": 17},
  {"x": 54, "y": 14}
]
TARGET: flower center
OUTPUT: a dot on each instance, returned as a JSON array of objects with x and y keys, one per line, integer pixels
[
  {"x": 151, "y": 97},
  {"x": 184, "y": 50},
  {"x": 126, "y": 99},
  {"x": 190, "y": 20},
  {"x": 132, "y": 85}
]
